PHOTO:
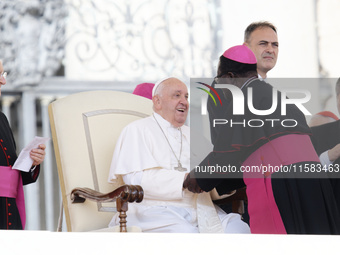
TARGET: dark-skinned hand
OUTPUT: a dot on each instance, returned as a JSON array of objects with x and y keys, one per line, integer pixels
[{"x": 191, "y": 184}]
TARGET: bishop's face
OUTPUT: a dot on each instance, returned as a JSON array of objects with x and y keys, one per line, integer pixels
[
  {"x": 2, "y": 77},
  {"x": 173, "y": 103}
]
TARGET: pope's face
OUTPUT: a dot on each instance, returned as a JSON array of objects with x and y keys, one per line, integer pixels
[
  {"x": 173, "y": 103},
  {"x": 264, "y": 44}
]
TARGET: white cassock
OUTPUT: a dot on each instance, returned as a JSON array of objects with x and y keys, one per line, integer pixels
[{"x": 143, "y": 157}]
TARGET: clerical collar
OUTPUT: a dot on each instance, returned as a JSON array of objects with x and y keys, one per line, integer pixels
[
  {"x": 262, "y": 79},
  {"x": 249, "y": 81},
  {"x": 163, "y": 122}
]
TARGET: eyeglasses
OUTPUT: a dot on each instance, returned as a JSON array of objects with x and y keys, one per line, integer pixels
[{"x": 3, "y": 74}]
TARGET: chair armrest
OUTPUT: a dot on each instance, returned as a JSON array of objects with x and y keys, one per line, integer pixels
[
  {"x": 122, "y": 196},
  {"x": 129, "y": 193}
]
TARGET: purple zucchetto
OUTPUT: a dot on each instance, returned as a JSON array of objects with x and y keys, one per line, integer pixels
[
  {"x": 241, "y": 54},
  {"x": 144, "y": 90}
]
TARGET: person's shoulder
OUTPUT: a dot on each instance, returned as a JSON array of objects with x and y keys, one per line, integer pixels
[
  {"x": 3, "y": 117},
  {"x": 327, "y": 128},
  {"x": 260, "y": 85},
  {"x": 261, "y": 89},
  {"x": 185, "y": 128},
  {"x": 139, "y": 124}
]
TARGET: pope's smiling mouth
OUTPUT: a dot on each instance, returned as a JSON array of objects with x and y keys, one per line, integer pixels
[
  {"x": 268, "y": 57},
  {"x": 180, "y": 110}
]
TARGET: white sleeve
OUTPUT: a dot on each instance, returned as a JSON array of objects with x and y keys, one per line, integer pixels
[
  {"x": 324, "y": 159},
  {"x": 162, "y": 184},
  {"x": 134, "y": 178},
  {"x": 159, "y": 184}
]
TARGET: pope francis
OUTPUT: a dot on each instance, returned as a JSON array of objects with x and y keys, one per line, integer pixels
[{"x": 154, "y": 152}]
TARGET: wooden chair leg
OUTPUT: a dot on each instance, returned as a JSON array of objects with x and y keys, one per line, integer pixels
[{"x": 122, "y": 207}]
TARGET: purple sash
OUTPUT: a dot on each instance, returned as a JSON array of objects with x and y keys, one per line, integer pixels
[
  {"x": 11, "y": 186},
  {"x": 264, "y": 214}
]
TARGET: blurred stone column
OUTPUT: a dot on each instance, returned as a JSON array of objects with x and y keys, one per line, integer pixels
[
  {"x": 7, "y": 102},
  {"x": 29, "y": 131},
  {"x": 48, "y": 166}
]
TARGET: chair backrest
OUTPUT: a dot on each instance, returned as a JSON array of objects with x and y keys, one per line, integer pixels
[{"x": 85, "y": 127}]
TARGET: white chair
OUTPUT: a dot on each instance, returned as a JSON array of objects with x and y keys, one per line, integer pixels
[{"x": 85, "y": 127}]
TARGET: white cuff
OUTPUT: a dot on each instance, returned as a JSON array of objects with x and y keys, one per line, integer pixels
[{"x": 324, "y": 159}]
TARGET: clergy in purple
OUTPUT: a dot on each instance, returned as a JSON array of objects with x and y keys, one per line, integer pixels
[
  {"x": 12, "y": 203},
  {"x": 279, "y": 202}
]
